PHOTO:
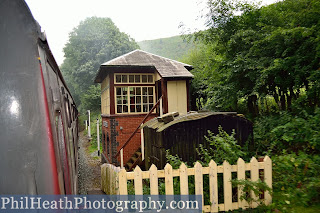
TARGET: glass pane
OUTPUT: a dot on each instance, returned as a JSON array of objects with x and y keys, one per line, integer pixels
[
  {"x": 150, "y": 78},
  {"x": 119, "y": 100},
  {"x": 125, "y": 108},
  {"x": 132, "y": 101},
  {"x": 150, "y": 90},
  {"x": 150, "y": 106},
  {"x": 132, "y": 108},
  {"x": 144, "y": 79},
  {"x": 132, "y": 91},
  {"x": 124, "y": 79},
  {"x": 138, "y": 90},
  {"x": 124, "y": 90},
  {"x": 137, "y": 78},
  {"x": 125, "y": 99},
  {"x": 118, "y": 78},
  {"x": 138, "y": 108},
  {"x": 118, "y": 90},
  {"x": 138, "y": 100},
  {"x": 131, "y": 78},
  {"x": 150, "y": 99},
  {"x": 145, "y": 108},
  {"x": 145, "y": 99},
  {"x": 119, "y": 108},
  {"x": 144, "y": 90}
]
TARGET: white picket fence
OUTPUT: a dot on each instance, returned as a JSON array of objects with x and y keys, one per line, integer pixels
[{"x": 120, "y": 178}]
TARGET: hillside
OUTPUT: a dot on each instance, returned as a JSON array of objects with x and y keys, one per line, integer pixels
[{"x": 172, "y": 47}]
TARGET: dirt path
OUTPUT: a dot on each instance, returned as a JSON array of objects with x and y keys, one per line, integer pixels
[{"x": 89, "y": 168}]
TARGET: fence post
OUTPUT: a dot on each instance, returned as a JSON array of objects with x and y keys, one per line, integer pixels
[
  {"x": 89, "y": 127},
  {"x": 142, "y": 144},
  {"x": 168, "y": 179},
  {"x": 198, "y": 180},
  {"x": 213, "y": 182},
  {"x": 254, "y": 177},
  {"x": 241, "y": 175},
  {"x": 227, "y": 187},
  {"x": 123, "y": 188},
  {"x": 103, "y": 177},
  {"x": 98, "y": 136},
  {"x": 121, "y": 158},
  {"x": 267, "y": 179},
  {"x": 138, "y": 181},
  {"x": 153, "y": 180},
  {"x": 184, "y": 186}
]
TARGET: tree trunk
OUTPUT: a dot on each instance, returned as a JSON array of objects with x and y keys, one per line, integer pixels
[
  {"x": 283, "y": 101},
  {"x": 289, "y": 98},
  {"x": 276, "y": 98},
  {"x": 252, "y": 105}
]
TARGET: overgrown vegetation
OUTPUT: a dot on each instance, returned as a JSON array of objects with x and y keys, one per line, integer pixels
[
  {"x": 265, "y": 53},
  {"x": 264, "y": 62}
]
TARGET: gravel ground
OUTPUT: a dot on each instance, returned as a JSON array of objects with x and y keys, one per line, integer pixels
[{"x": 89, "y": 168}]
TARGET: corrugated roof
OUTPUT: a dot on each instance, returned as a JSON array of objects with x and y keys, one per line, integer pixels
[
  {"x": 165, "y": 67},
  {"x": 160, "y": 126}
]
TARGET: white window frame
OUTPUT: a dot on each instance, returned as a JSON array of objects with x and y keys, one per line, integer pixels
[
  {"x": 134, "y": 74},
  {"x": 128, "y": 99}
]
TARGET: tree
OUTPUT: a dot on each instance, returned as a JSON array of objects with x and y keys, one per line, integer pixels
[
  {"x": 272, "y": 51},
  {"x": 94, "y": 41}
]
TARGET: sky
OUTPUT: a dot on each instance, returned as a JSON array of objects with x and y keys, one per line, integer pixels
[{"x": 140, "y": 19}]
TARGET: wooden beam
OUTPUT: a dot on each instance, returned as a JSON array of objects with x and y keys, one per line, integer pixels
[
  {"x": 164, "y": 95},
  {"x": 112, "y": 98}
]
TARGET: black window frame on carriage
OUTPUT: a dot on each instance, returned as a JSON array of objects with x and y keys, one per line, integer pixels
[{"x": 134, "y": 99}]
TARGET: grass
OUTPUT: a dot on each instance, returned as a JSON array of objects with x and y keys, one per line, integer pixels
[{"x": 304, "y": 209}]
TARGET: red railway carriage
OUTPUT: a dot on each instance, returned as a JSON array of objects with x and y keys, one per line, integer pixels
[{"x": 38, "y": 117}]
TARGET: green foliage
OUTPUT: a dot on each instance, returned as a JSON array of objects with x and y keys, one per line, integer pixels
[
  {"x": 258, "y": 53},
  {"x": 296, "y": 180},
  {"x": 93, "y": 42},
  {"x": 174, "y": 160},
  {"x": 264, "y": 62},
  {"x": 173, "y": 47},
  {"x": 292, "y": 141},
  {"x": 248, "y": 186},
  {"x": 286, "y": 131},
  {"x": 222, "y": 147},
  {"x": 91, "y": 99}
]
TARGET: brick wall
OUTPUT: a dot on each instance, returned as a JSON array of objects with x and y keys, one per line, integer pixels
[{"x": 117, "y": 130}]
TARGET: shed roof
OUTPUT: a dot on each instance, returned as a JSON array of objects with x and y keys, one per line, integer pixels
[
  {"x": 160, "y": 126},
  {"x": 167, "y": 68}
]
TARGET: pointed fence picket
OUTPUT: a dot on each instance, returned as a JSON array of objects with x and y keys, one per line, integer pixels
[{"x": 254, "y": 167}]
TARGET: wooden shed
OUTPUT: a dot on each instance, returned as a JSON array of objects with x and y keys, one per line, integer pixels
[{"x": 186, "y": 132}]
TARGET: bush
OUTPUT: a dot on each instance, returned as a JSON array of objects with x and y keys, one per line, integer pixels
[
  {"x": 293, "y": 143},
  {"x": 222, "y": 147},
  {"x": 296, "y": 179},
  {"x": 286, "y": 131}
]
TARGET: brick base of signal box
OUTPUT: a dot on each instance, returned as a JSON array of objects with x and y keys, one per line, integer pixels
[{"x": 115, "y": 132}]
